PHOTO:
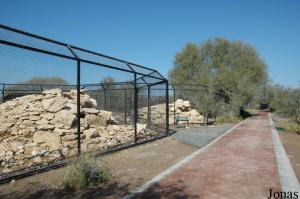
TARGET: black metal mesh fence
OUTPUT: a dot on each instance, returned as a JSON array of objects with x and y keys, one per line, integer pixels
[{"x": 59, "y": 100}]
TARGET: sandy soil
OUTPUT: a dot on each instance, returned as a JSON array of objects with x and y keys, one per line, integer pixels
[
  {"x": 291, "y": 143},
  {"x": 129, "y": 169}
]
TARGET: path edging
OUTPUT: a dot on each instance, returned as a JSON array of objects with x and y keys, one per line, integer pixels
[
  {"x": 288, "y": 179},
  {"x": 178, "y": 165}
]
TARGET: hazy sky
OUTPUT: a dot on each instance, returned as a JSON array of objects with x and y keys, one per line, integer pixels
[{"x": 151, "y": 32}]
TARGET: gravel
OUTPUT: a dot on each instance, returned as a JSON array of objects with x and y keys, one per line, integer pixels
[{"x": 200, "y": 136}]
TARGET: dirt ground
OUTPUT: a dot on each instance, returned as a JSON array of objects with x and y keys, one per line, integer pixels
[
  {"x": 130, "y": 168},
  {"x": 291, "y": 143}
]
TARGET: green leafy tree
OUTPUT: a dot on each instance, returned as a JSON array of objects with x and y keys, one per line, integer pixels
[
  {"x": 231, "y": 68},
  {"x": 285, "y": 101}
]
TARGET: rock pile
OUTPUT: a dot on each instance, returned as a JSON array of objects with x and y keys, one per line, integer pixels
[
  {"x": 38, "y": 129},
  {"x": 182, "y": 108}
]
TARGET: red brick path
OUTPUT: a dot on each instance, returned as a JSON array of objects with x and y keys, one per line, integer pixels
[{"x": 240, "y": 165}]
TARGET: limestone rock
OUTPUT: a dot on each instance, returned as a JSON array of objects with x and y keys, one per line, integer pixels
[
  {"x": 140, "y": 127},
  {"x": 95, "y": 120},
  {"x": 69, "y": 137},
  {"x": 84, "y": 123},
  {"x": 91, "y": 133},
  {"x": 52, "y": 140},
  {"x": 28, "y": 122},
  {"x": 5, "y": 127},
  {"x": 105, "y": 114},
  {"x": 46, "y": 127},
  {"x": 63, "y": 132},
  {"x": 181, "y": 108},
  {"x": 93, "y": 103},
  {"x": 54, "y": 105},
  {"x": 34, "y": 118},
  {"x": 64, "y": 117},
  {"x": 41, "y": 128},
  {"x": 91, "y": 110},
  {"x": 55, "y": 91},
  {"x": 47, "y": 116}
]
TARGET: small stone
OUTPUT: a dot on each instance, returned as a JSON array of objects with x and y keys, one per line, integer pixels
[
  {"x": 55, "y": 91},
  {"x": 69, "y": 137},
  {"x": 65, "y": 151},
  {"x": 40, "y": 153},
  {"x": 6, "y": 170},
  {"x": 46, "y": 127},
  {"x": 34, "y": 118},
  {"x": 28, "y": 122},
  {"x": 48, "y": 116},
  {"x": 91, "y": 110},
  {"x": 37, "y": 159}
]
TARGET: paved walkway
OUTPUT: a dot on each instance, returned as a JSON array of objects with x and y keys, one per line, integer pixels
[
  {"x": 200, "y": 136},
  {"x": 241, "y": 164}
]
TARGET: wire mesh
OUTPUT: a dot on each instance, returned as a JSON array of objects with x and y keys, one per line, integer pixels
[
  {"x": 57, "y": 101},
  {"x": 34, "y": 126}
]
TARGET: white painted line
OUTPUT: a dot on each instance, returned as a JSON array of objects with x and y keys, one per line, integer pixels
[
  {"x": 178, "y": 165},
  {"x": 288, "y": 179}
]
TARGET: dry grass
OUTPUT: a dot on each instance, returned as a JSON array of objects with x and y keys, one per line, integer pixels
[
  {"x": 286, "y": 125},
  {"x": 83, "y": 172}
]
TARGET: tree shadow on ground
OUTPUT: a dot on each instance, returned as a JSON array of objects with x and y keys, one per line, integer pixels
[
  {"x": 280, "y": 128},
  {"x": 175, "y": 190},
  {"x": 110, "y": 190}
]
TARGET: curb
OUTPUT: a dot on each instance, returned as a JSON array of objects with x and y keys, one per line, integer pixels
[{"x": 288, "y": 179}]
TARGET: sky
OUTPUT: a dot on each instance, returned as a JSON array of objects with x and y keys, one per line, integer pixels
[{"x": 150, "y": 33}]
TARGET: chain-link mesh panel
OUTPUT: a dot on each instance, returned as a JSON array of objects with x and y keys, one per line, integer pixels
[
  {"x": 38, "y": 110},
  {"x": 25, "y": 40},
  {"x": 198, "y": 103},
  {"x": 108, "y": 121},
  {"x": 101, "y": 59},
  {"x": 159, "y": 107}
]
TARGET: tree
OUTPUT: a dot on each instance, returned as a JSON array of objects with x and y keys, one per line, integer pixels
[
  {"x": 35, "y": 85},
  {"x": 285, "y": 101},
  {"x": 232, "y": 68}
]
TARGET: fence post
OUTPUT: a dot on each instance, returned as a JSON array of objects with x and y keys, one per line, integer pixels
[
  {"x": 78, "y": 100},
  {"x": 174, "y": 106},
  {"x": 125, "y": 106},
  {"x": 167, "y": 107},
  {"x": 3, "y": 93},
  {"x": 135, "y": 109},
  {"x": 149, "y": 108},
  {"x": 104, "y": 99},
  {"x": 78, "y": 108}
]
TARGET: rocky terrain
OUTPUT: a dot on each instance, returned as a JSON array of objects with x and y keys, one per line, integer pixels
[
  {"x": 38, "y": 129},
  {"x": 182, "y": 108}
]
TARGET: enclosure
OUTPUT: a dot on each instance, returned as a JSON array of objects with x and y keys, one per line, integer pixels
[{"x": 59, "y": 100}]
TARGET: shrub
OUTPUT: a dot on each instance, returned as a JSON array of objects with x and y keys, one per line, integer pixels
[
  {"x": 293, "y": 128},
  {"x": 84, "y": 172},
  {"x": 229, "y": 117}
]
